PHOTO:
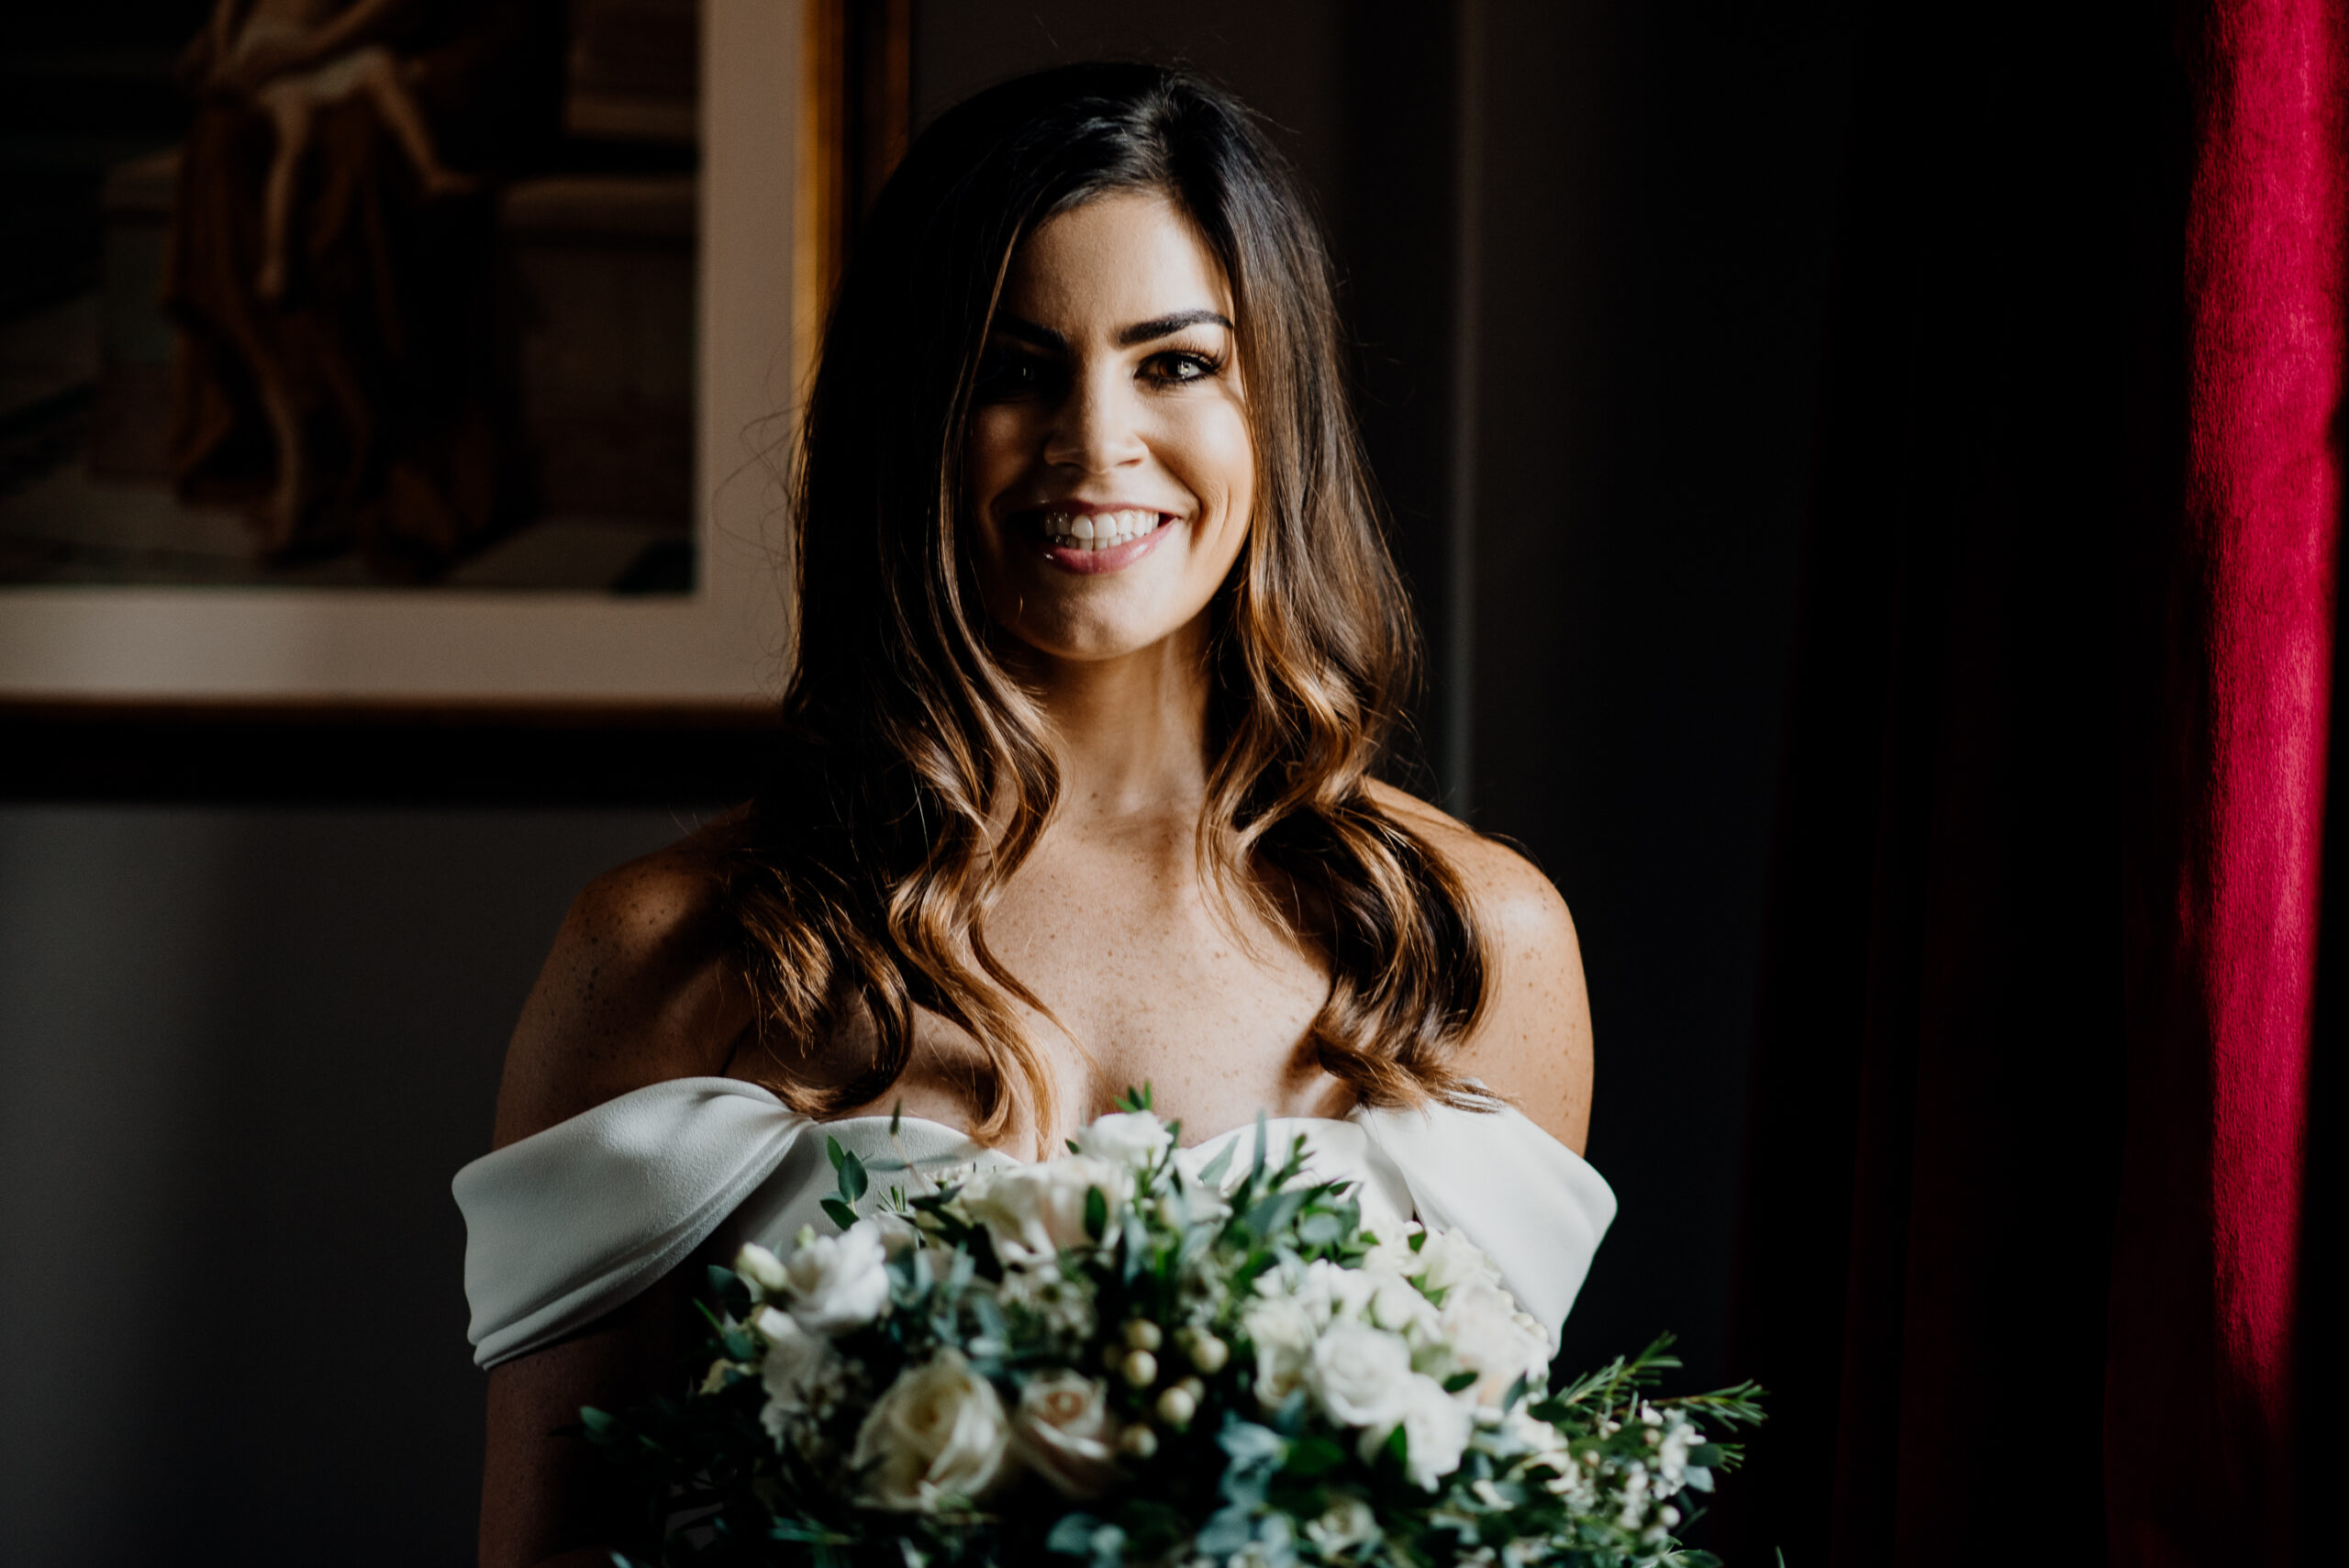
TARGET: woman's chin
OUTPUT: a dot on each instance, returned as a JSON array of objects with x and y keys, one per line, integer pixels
[{"x": 1090, "y": 643}]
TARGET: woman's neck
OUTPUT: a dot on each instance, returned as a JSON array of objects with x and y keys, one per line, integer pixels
[{"x": 1130, "y": 732}]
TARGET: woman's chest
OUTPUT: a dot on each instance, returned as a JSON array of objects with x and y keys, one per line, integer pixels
[
  {"x": 1143, "y": 975},
  {"x": 1147, "y": 975}
]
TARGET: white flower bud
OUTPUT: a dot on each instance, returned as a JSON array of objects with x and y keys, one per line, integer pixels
[
  {"x": 1210, "y": 1355},
  {"x": 761, "y": 1268},
  {"x": 1178, "y": 1405},
  {"x": 1132, "y": 1138},
  {"x": 1144, "y": 1335},
  {"x": 1138, "y": 1441},
  {"x": 1140, "y": 1368}
]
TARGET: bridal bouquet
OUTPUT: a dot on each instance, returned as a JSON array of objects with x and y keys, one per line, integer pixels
[{"x": 1101, "y": 1360}]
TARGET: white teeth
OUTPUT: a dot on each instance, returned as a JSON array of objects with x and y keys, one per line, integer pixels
[{"x": 1098, "y": 530}]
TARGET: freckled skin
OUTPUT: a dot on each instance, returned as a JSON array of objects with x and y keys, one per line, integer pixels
[{"x": 1149, "y": 974}]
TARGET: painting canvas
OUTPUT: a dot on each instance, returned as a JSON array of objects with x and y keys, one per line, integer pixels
[
  {"x": 382, "y": 349},
  {"x": 409, "y": 302}
]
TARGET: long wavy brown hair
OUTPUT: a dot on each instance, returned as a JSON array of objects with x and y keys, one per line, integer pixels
[{"x": 915, "y": 774}]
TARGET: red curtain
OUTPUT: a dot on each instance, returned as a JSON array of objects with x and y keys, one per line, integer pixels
[
  {"x": 2222, "y": 898},
  {"x": 2023, "y": 1197}
]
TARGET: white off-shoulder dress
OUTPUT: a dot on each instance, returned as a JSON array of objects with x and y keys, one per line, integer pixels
[{"x": 565, "y": 1225}]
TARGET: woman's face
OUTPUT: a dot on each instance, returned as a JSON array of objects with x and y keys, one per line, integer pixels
[{"x": 1110, "y": 467}]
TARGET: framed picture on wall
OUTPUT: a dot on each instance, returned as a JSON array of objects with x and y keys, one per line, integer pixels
[{"x": 449, "y": 372}]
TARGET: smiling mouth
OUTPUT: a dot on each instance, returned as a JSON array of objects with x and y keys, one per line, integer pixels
[{"x": 1097, "y": 531}]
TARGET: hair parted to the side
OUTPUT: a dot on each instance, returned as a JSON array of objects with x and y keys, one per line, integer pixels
[{"x": 916, "y": 775}]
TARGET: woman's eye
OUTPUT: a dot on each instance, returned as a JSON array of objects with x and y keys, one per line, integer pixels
[
  {"x": 1005, "y": 375},
  {"x": 1177, "y": 366}
]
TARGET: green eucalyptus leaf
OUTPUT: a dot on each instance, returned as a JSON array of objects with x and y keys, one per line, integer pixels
[
  {"x": 1312, "y": 1455},
  {"x": 1227, "y": 1531},
  {"x": 1096, "y": 1213},
  {"x": 853, "y": 1182},
  {"x": 838, "y": 1213},
  {"x": 1073, "y": 1536},
  {"x": 1137, "y": 1248}
]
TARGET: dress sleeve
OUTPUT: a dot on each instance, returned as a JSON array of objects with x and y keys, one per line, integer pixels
[
  {"x": 1530, "y": 1202},
  {"x": 569, "y": 1223}
]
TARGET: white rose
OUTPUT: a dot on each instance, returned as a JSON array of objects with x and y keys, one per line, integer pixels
[
  {"x": 1335, "y": 1291},
  {"x": 1435, "y": 1431},
  {"x": 1382, "y": 1298},
  {"x": 1282, "y": 1335},
  {"x": 1030, "y": 1212},
  {"x": 1395, "y": 1304},
  {"x": 1288, "y": 1279},
  {"x": 1132, "y": 1138},
  {"x": 938, "y": 1432},
  {"x": 1393, "y": 1254},
  {"x": 1492, "y": 1339},
  {"x": 1346, "y": 1523},
  {"x": 833, "y": 1283},
  {"x": 795, "y": 1365},
  {"x": 1448, "y": 1259},
  {"x": 1357, "y": 1373},
  {"x": 1063, "y": 1431}
]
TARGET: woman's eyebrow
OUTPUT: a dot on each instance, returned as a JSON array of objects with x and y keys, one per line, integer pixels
[
  {"x": 1027, "y": 331},
  {"x": 1167, "y": 326}
]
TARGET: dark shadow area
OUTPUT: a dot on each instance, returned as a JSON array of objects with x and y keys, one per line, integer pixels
[{"x": 246, "y": 1051}]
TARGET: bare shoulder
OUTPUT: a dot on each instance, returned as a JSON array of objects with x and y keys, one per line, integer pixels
[
  {"x": 1512, "y": 896},
  {"x": 1533, "y": 1043},
  {"x": 640, "y": 988}
]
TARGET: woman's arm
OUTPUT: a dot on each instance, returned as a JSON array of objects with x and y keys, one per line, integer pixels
[
  {"x": 1532, "y": 1045},
  {"x": 546, "y": 1495},
  {"x": 637, "y": 991}
]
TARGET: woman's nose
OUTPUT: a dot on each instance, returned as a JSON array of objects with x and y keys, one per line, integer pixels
[{"x": 1099, "y": 425}]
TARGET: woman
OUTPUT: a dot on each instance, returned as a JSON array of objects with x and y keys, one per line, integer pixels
[{"x": 1098, "y": 642}]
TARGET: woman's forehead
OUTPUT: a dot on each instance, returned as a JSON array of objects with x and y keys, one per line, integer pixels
[{"x": 1115, "y": 263}]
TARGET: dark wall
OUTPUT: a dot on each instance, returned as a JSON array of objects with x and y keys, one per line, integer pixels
[
  {"x": 1659, "y": 196},
  {"x": 241, "y": 1053}
]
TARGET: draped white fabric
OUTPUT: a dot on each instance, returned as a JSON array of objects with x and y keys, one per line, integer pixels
[{"x": 568, "y": 1224}]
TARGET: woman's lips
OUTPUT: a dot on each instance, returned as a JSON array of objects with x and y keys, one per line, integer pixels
[{"x": 1087, "y": 562}]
